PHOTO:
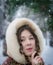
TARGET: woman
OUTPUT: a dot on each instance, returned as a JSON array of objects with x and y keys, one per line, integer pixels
[{"x": 24, "y": 43}]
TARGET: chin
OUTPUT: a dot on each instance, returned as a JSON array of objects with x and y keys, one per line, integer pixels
[{"x": 29, "y": 54}]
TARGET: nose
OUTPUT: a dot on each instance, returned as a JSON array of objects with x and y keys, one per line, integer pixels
[{"x": 28, "y": 42}]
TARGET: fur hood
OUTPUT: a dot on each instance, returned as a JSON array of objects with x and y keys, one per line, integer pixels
[{"x": 11, "y": 38}]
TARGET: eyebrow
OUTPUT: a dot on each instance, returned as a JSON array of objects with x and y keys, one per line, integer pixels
[
  {"x": 22, "y": 37},
  {"x": 29, "y": 35}
]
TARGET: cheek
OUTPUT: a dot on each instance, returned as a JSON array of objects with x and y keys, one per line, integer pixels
[
  {"x": 24, "y": 50},
  {"x": 33, "y": 43},
  {"x": 24, "y": 46}
]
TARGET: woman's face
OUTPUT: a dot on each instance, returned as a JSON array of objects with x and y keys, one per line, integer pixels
[{"x": 28, "y": 42}]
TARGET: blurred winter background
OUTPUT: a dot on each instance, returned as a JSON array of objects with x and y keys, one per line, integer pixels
[{"x": 41, "y": 11}]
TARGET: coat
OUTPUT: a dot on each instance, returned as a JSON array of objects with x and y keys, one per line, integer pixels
[{"x": 11, "y": 61}]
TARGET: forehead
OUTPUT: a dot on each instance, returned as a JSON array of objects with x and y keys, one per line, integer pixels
[{"x": 26, "y": 33}]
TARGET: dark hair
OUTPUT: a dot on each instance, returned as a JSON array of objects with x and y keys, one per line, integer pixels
[
  {"x": 27, "y": 27},
  {"x": 19, "y": 31}
]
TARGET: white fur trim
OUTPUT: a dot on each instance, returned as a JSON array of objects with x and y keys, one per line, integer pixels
[{"x": 11, "y": 39}]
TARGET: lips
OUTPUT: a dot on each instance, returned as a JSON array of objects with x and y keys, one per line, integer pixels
[{"x": 29, "y": 49}]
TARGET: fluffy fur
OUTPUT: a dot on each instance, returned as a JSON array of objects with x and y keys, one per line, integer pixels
[{"x": 11, "y": 39}]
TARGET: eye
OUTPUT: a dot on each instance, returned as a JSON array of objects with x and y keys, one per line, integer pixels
[
  {"x": 22, "y": 40},
  {"x": 31, "y": 38}
]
